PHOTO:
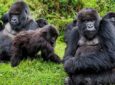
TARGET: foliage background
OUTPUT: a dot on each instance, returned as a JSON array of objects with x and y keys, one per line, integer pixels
[{"x": 58, "y": 13}]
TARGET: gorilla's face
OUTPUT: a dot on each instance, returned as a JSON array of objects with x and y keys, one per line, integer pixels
[
  {"x": 18, "y": 15},
  {"x": 88, "y": 24},
  {"x": 88, "y": 29},
  {"x": 50, "y": 34},
  {"x": 14, "y": 20},
  {"x": 18, "y": 20}
]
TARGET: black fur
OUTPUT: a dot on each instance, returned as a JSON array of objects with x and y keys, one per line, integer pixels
[
  {"x": 41, "y": 22},
  {"x": 111, "y": 17},
  {"x": 7, "y": 34},
  {"x": 99, "y": 66},
  {"x": 5, "y": 18},
  {"x": 18, "y": 19},
  {"x": 29, "y": 43},
  {"x": 5, "y": 47},
  {"x": 68, "y": 30}
]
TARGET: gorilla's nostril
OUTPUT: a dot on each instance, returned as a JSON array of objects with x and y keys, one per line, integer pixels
[{"x": 14, "y": 19}]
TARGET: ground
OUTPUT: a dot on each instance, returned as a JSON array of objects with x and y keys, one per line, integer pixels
[{"x": 35, "y": 72}]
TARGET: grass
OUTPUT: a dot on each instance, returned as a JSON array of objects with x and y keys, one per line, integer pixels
[{"x": 35, "y": 72}]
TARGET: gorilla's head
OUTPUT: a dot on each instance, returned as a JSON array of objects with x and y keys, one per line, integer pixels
[
  {"x": 88, "y": 22},
  {"x": 50, "y": 33},
  {"x": 41, "y": 22},
  {"x": 18, "y": 14},
  {"x": 111, "y": 17}
]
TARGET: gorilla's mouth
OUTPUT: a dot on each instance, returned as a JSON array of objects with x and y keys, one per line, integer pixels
[
  {"x": 15, "y": 24},
  {"x": 90, "y": 34}
]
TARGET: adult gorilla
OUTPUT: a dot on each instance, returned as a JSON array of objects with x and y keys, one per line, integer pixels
[
  {"x": 18, "y": 19},
  {"x": 90, "y": 55}
]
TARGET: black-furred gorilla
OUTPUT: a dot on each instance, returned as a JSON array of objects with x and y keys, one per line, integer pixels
[
  {"x": 110, "y": 16},
  {"x": 29, "y": 43},
  {"x": 41, "y": 22},
  {"x": 68, "y": 30},
  {"x": 90, "y": 55},
  {"x": 18, "y": 19}
]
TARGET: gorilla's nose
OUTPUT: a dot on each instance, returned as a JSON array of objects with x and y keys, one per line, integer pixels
[
  {"x": 90, "y": 26},
  {"x": 13, "y": 20}
]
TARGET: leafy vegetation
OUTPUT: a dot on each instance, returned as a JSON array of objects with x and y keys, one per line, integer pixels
[{"x": 60, "y": 12}]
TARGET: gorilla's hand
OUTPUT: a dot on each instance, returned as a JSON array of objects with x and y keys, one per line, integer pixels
[
  {"x": 69, "y": 65},
  {"x": 91, "y": 63}
]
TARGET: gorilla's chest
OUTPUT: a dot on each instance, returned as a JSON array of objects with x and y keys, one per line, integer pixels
[{"x": 86, "y": 47}]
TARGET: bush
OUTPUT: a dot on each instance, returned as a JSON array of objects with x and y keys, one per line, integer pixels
[{"x": 60, "y": 12}]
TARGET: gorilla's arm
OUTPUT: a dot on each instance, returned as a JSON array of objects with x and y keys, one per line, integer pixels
[
  {"x": 96, "y": 62},
  {"x": 72, "y": 44},
  {"x": 91, "y": 63},
  {"x": 31, "y": 25},
  {"x": 47, "y": 52}
]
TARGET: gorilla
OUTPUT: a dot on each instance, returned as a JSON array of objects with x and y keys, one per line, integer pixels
[
  {"x": 90, "y": 55},
  {"x": 18, "y": 19},
  {"x": 68, "y": 30},
  {"x": 29, "y": 43},
  {"x": 110, "y": 16},
  {"x": 41, "y": 22}
]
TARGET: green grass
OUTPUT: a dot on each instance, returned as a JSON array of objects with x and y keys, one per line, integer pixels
[{"x": 35, "y": 72}]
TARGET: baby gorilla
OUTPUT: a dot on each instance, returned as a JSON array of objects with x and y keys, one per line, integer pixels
[{"x": 29, "y": 43}]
